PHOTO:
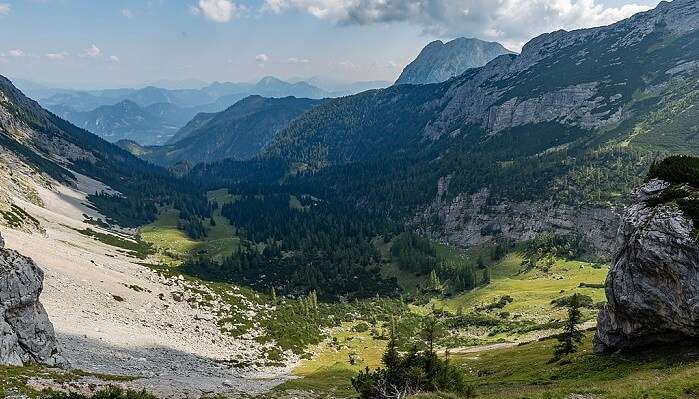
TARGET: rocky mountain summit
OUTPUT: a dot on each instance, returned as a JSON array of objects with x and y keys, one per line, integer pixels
[
  {"x": 439, "y": 61},
  {"x": 27, "y": 335},
  {"x": 653, "y": 288}
]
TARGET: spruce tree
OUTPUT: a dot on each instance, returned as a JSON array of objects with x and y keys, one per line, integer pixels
[{"x": 571, "y": 337}]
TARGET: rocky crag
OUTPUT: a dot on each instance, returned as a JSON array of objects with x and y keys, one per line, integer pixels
[
  {"x": 653, "y": 287},
  {"x": 439, "y": 61},
  {"x": 26, "y": 334}
]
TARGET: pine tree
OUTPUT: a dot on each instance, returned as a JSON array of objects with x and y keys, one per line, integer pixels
[
  {"x": 274, "y": 296},
  {"x": 434, "y": 283},
  {"x": 486, "y": 276},
  {"x": 571, "y": 337},
  {"x": 391, "y": 358}
]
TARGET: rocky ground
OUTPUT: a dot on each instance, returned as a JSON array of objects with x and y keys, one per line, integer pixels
[{"x": 115, "y": 316}]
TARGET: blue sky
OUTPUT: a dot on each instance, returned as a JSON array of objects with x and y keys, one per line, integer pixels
[{"x": 110, "y": 43}]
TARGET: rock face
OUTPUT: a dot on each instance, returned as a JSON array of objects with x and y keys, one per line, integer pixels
[
  {"x": 653, "y": 287},
  {"x": 26, "y": 334},
  {"x": 468, "y": 220},
  {"x": 439, "y": 62}
]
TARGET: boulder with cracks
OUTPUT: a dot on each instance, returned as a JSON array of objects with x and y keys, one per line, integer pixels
[
  {"x": 653, "y": 287},
  {"x": 26, "y": 334}
]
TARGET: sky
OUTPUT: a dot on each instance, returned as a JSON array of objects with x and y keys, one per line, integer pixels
[{"x": 120, "y": 43}]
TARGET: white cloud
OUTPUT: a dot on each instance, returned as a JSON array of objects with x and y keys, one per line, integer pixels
[
  {"x": 216, "y": 10},
  {"x": 114, "y": 58},
  {"x": 92, "y": 52},
  {"x": 261, "y": 58},
  {"x": 348, "y": 65},
  {"x": 127, "y": 13},
  {"x": 57, "y": 56},
  {"x": 4, "y": 8},
  {"x": 16, "y": 53},
  {"x": 511, "y": 22},
  {"x": 294, "y": 60}
]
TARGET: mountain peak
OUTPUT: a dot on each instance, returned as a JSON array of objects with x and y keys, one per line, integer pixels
[
  {"x": 440, "y": 61},
  {"x": 270, "y": 80}
]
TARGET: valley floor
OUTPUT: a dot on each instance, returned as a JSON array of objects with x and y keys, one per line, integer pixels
[{"x": 120, "y": 321}]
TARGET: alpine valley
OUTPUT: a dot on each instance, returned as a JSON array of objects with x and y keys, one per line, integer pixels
[{"x": 493, "y": 225}]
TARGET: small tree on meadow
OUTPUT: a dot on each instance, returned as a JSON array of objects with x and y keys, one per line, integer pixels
[{"x": 571, "y": 337}]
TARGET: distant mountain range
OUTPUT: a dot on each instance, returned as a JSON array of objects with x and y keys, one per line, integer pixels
[
  {"x": 127, "y": 120},
  {"x": 240, "y": 132},
  {"x": 152, "y": 115},
  {"x": 439, "y": 61}
]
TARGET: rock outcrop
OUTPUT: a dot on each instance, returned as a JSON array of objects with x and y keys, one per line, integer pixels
[
  {"x": 476, "y": 219},
  {"x": 26, "y": 334},
  {"x": 653, "y": 287}
]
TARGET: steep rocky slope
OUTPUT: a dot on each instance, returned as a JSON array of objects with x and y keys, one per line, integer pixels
[
  {"x": 653, "y": 287},
  {"x": 26, "y": 334},
  {"x": 111, "y": 313},
  {"x": 439, "y": 61}
]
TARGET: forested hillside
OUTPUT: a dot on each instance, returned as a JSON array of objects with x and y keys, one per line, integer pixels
[
  {"x": 239, "y": 132},
  {"x": 575, "y": 119}
]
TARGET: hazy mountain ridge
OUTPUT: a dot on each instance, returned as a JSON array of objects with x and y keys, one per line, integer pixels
[
  {"x": 161, "y": 112},
  {"x": 240, "y": 132},
  {"x": 439, "y": 61},
  {"x": 126, "y": 120}
]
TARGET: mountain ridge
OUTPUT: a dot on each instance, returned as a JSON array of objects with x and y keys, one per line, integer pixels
[
  {"x": 571, "y": 106},
  {"x": 240, "y": 132}
]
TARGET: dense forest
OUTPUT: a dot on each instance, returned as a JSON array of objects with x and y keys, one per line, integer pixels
[{"x": 301, "y": 243}]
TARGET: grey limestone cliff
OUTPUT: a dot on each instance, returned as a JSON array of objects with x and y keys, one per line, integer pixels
[
  {"x": 653, "y": 286},
  {"x": 26, "y": 334},
  {"x": 439, "y": 61}
]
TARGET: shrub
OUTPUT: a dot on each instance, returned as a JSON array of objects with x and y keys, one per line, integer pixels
[
  {"x": 111, "y": 392},
  {"x": 360, "y": 327},
  {"x": 412, "y": 373}
]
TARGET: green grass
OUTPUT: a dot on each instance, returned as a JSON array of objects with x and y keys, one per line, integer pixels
[
  {"x": 336, "y": 351},
  {"x": 534, "y": 290},
  {"x": 328, "y": 382},
  {"x": 17, "y": 217},
  {"x": 173, "y": 245},
  {"x": 14, "y": 379},
  {"x": 527, "y": 372},
  {"x": 407, "y": 281},
  {"x": 294, "y": 203}
]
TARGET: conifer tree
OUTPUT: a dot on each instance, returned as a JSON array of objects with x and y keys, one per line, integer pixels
[{"x": 571, "y": 337}]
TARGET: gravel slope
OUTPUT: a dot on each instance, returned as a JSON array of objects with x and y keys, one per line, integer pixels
[{"x": 115, "y": 316}]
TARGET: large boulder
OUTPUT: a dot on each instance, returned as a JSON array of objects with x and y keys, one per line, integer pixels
[
  {"x": 653, "y": 287},
  {"x": 26, "y": 334}
]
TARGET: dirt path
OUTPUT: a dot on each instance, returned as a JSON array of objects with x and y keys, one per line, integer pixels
[{"x": 502, "y": 345}]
